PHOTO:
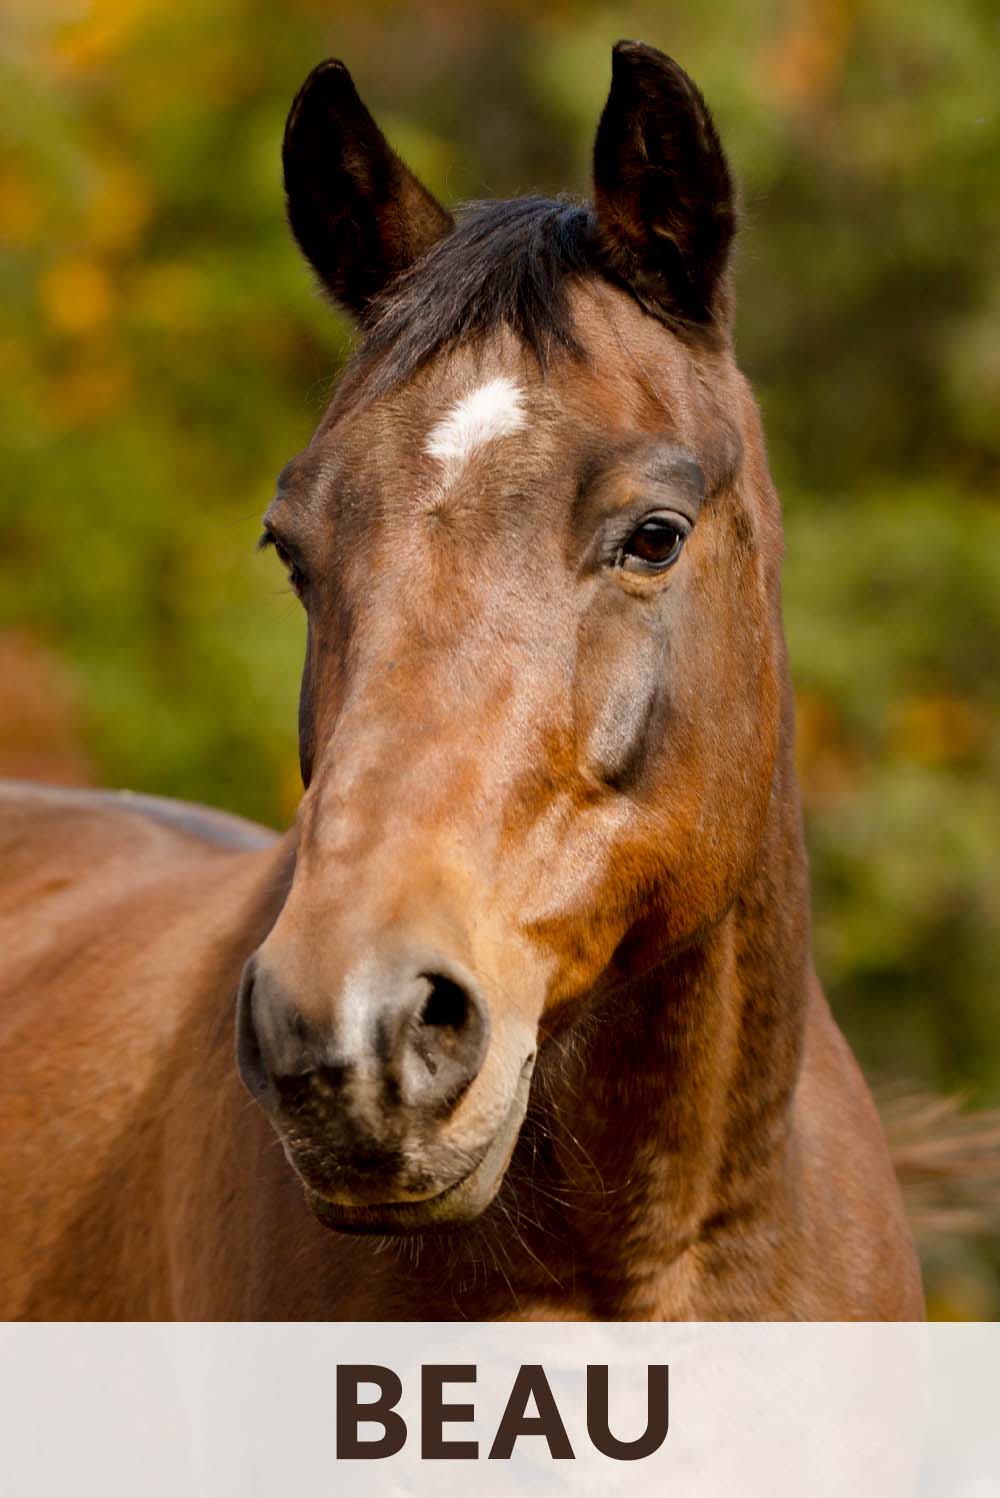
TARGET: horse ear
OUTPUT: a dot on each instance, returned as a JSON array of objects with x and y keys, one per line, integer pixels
[
  {"x": 360, "y": 216},
  {"x": 662, "y": 189}
]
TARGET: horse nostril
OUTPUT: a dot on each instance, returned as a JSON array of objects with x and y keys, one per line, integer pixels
[
  {"x": 276, "y": 1051},
  {"x": 446, "y": 1012},
  {"x": 410, "y": 1040},
  {"x": 249, "y": 1057},
  {"x": 449, "y": 1034}
]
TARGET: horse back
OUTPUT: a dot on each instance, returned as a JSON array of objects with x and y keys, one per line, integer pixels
[{"x": 120, "y": 917}]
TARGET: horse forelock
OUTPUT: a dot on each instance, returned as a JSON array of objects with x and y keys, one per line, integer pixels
[{"x": 506, "y": 264}]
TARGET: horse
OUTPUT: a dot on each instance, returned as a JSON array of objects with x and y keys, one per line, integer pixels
[{"x": 525, "y": 1017}]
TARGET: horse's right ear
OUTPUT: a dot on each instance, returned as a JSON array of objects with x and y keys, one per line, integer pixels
[
  {"x": 360, "y": 216},
  {"x": 662, "y": 189}
]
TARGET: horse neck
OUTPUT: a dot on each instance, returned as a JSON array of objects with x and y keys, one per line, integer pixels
[{"x": 667, "y": 1109}]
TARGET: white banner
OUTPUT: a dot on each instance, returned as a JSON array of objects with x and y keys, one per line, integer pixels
[{"x": 721, "y": 1411}]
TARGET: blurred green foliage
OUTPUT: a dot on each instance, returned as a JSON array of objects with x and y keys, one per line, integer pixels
[{"x": 163, "y": 353}]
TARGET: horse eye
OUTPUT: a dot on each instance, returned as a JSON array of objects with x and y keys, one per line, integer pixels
[
  {"x": 654, "y": 545},
  {"x": 296, "y": 576}
]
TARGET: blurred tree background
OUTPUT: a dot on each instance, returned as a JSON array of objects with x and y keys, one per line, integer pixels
[{"x": 162, "y": 353}]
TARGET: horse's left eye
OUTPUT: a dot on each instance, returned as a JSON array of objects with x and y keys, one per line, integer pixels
[
  {"x": 296, "y": 576},
  {"x": 653, "y": 546}
]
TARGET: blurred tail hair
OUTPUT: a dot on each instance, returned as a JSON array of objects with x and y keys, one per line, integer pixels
[{"x": 947, "y": 1162}]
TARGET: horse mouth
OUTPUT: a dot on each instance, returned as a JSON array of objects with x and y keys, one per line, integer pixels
[{"x": 459, "y": 1203}]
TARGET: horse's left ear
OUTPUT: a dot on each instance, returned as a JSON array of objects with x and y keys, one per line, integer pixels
[
  {"x": 662, "y": 189},
  {"x": 359, "y": 214}
]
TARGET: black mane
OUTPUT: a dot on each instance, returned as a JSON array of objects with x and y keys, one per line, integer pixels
[{"x": 506, "y": 263}]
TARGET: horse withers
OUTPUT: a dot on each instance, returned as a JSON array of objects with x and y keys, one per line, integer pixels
[{"x": 524, "y": 1003}]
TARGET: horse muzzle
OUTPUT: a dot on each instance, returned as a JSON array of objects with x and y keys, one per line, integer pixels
[
  {"x": 380, "y": 1106},
  {"x": 460, "y": 1202}
]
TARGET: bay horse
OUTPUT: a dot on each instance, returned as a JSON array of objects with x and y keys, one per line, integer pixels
[{"x": 526, "y": 1020}]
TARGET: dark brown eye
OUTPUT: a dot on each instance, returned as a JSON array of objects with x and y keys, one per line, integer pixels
[
  {"x": 653, "y": 546},
  {"x": 296, "y": 576}
]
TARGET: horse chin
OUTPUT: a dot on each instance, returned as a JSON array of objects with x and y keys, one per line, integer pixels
[{"x": 459, "y": 1203}]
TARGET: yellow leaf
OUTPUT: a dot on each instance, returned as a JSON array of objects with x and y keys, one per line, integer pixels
[
  {"x": 936, "y": 729},
  {"x": 76, "y": 296},
  {"x": 100, "y": 35},
  {"x": 20, "y": 208},
  {"x": 89, "y": 393},
  {"x": 119, "y": 209}
]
